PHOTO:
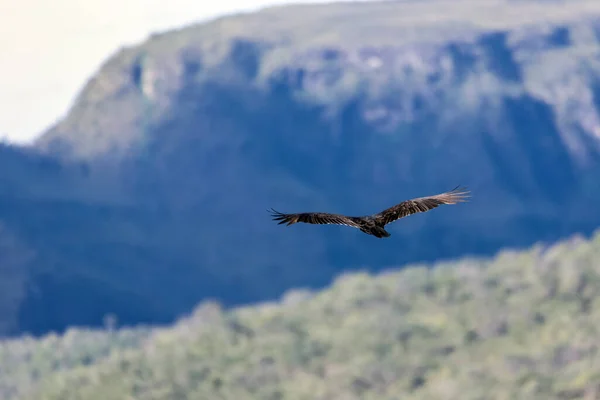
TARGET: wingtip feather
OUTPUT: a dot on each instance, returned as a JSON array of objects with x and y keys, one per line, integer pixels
[
  {"x": 283, "y": 218},
  {"x": 459, "y": 194}
]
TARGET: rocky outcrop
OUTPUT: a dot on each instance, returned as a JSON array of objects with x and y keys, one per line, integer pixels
[{"x": 176, "y": 147}]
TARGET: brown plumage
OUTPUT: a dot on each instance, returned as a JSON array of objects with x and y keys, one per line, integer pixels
[{"x": 374, "y": 224}]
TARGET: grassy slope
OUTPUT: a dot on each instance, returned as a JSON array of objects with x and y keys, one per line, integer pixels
[
  {"x": 523, "y": 325},
  {"x": 309, "y": 26}
]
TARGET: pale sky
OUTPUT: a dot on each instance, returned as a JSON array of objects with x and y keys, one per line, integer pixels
[{"x": 48, "y": 48}]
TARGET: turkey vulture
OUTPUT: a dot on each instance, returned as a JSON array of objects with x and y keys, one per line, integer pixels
[{"x": 374, "y": 224}]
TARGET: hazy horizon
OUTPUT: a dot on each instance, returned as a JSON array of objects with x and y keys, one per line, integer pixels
[{"x": 51, "y": 49}]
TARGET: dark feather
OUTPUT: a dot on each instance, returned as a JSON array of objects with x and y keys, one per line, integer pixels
[
  {"x": 314, "y": 218},
  {"x": 421, "y": 204}
]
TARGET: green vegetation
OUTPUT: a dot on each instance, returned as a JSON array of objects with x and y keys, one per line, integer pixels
[
  {"x": 25, "y": 361},
  {"x": 523, "y": 325}
]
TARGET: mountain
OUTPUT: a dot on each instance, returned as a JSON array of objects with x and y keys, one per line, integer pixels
[
  {"x": 150, "y": 195},
  {"x": 519, "y": 325}
]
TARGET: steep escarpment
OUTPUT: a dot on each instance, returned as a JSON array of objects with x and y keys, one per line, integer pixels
[{"x": 177, "y": 146}]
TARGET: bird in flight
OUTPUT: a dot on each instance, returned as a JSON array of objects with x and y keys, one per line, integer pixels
[{"x": 374, "y": 224}]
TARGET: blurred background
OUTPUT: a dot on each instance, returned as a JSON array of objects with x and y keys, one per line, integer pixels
[{"x": 142, "y": 142}]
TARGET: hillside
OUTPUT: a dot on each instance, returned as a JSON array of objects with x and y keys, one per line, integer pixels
[
  {"x": 150, "y": 195},
  {"x": 521, "y": 325}
]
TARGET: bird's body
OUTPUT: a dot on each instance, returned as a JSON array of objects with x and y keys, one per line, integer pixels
[
  {"x": 375, "y": 224},
  {"x": 370, "y": 226}
]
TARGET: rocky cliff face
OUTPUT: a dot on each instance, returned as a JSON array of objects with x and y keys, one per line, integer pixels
[{"x": 173, "y": 151}]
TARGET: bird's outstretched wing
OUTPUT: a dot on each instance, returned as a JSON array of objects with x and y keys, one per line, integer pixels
[
  {"x": 314, "y": 218},
  {"x": 421, "y": 204}
]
